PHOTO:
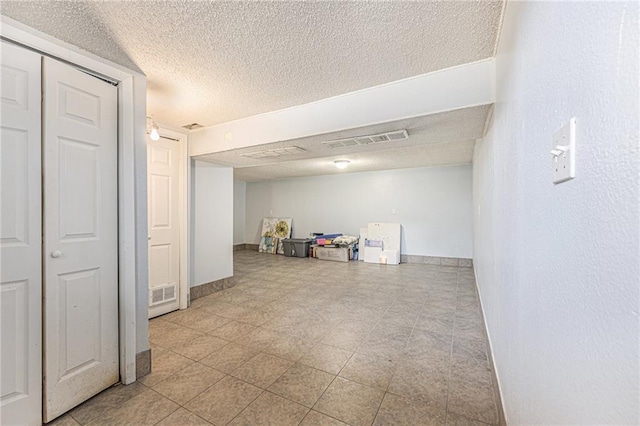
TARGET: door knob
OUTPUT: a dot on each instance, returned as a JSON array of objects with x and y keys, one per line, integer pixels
[
  {"x": 148, "y": 237},
  {"x": 56, "y": 254}
]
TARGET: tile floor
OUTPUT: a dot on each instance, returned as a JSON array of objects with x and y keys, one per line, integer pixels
[{"x": 310, "y": 342}]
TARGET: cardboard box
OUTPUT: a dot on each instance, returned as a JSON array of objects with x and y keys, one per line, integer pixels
[{"x": 337, "y": 254}]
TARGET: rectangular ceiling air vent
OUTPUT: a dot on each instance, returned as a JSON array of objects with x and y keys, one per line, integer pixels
[
  {"x": 369, "y": 139},
  {"x": 276, "y": 152},
  {"x": 192, "y": 126}
]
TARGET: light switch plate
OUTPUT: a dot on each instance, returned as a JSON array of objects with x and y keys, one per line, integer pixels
[{"x": 563, "y": 153}]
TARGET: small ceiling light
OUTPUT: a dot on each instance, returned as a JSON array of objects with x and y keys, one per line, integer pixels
[
  {"x": 341, "y": 164},
  {"x": 153, "y": 129}
]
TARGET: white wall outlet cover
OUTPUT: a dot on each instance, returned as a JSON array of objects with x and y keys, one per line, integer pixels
[{"x": 563, "y": 152}]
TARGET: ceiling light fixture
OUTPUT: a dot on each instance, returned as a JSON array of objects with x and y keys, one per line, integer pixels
[
  {"x": 341, "y": 164},
  {"x": 153, "y": 129}
]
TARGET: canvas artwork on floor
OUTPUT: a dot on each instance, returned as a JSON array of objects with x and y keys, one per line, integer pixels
[{"x": 274, "y": 230}]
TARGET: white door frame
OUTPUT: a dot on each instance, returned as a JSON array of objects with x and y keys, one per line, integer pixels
[
  {"x": 132, "y": 215},
  {"x": 184, "y": 173}
]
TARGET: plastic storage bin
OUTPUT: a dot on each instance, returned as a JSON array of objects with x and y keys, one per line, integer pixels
[{"x": 296, "y": 247}]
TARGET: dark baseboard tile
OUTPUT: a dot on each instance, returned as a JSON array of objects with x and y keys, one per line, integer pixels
[
  {"x": 433, "y": 260},
  {"x": 143, "y": 363},
  {"x": 239, "y": 247},
  {"x": 210, "y": 288},
  {"x": 253, "y": 247}
]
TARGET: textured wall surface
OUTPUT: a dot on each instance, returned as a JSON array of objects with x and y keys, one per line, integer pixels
[
  {"x": 211, "y": 222},
  {"x": 558, "y": 265},
  {"x": 433, "y": 204},
  {"x": 239, "y": 211}
]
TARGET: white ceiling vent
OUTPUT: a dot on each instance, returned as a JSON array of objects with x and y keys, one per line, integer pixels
[
  {"x": 278, "y": 152},
  {"x": 366, "y": 140},
  {"x": 193, "y": 126}
]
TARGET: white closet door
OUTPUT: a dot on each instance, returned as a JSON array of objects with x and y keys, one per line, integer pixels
[
  {"x": 80, "y": 237},
  {"x": 20, "y": 238},
  {"x": 163, "y": 187}
]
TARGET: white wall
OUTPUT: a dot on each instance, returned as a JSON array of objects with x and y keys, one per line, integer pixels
[
  {"x": 212, "y": 222},
  {"x": 239, "y": 211},
  {"x": 433, "y": 204},
  {"x": 558, "y": 265}
]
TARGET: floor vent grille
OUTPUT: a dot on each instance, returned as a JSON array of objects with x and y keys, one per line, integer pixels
[{"x": 162, "y": 294}]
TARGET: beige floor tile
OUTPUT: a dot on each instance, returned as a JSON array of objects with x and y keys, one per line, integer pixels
[
  {"x": 422, "y": 383},
  {"x": 473, "y": 401},
  {"x": 185, "y": 317},
  {"x": 229, "y": 357},
  {"x": 200, "y": 347},
  {"x": 106, "y": 402},
  {"x": 471, "y": 370},
  {"x": 178, "y": 338},
  {"x": 473, "y": 348},
  {"x": 209, "y": 323},
  {"x": 188, "y": 383},
  {"x": 468, "y": 328},
  {"x": 182, "y": 417},
  {"x": 147, "y": 408},
  {"x": 429, "y": 341},
  {"x": 458, "y": 420},
  {"x": 417, "y": 356},
  {"x": 256, "y": 317},
  {"x": 396, "y": 410},
  {"x": 259, "y": 338},
  {"x": 343, "y": 338},
  {"x": 232, "y": 310},
  {"x": 223, "y": 401},
  {"x": 302, "y": 384},
  {"x": 164, "y": 364},
  {"x": 314, "y": 330},
  {"x": 262, "y": 370},
  {"x": 314, "y": 418},
  {"x": 369, "y": 370},
  {"x": 163, "y": 333},
  {"x": 326, "y": 358},
  {"x": 442, "y": 323},
  {"x": 370, "y": 311},
  {"x": 382, "y": 349},
  {"x": 270, "y": 409},
  {"x": 65, "y": 420},
  {"x": 350, "y": 402},
  {"x": 232, "y": 330},
  {"x": 204, "y": 300},
  {"x": 289, "y": 347}
]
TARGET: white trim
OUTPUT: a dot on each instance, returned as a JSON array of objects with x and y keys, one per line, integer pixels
[
  {"x": 129, "y": 107},
  {"x": 184, "y": 195}
]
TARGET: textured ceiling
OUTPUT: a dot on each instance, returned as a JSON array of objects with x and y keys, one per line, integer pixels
[
  {"x": 213, "y": 62},
  {"x": 434, "y": 140}
]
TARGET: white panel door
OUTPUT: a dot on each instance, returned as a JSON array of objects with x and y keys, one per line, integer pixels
[
  {"x": 20, "y": 238},
  {"x": 80, "y": 251},
  {"x": 163, "y": 186}
]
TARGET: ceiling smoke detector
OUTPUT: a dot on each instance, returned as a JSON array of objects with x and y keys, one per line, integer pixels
[
  {"x": 192, "y": 126},
  {"x": 276, "y": 152},
  {"x": 369, "y": 139}
]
